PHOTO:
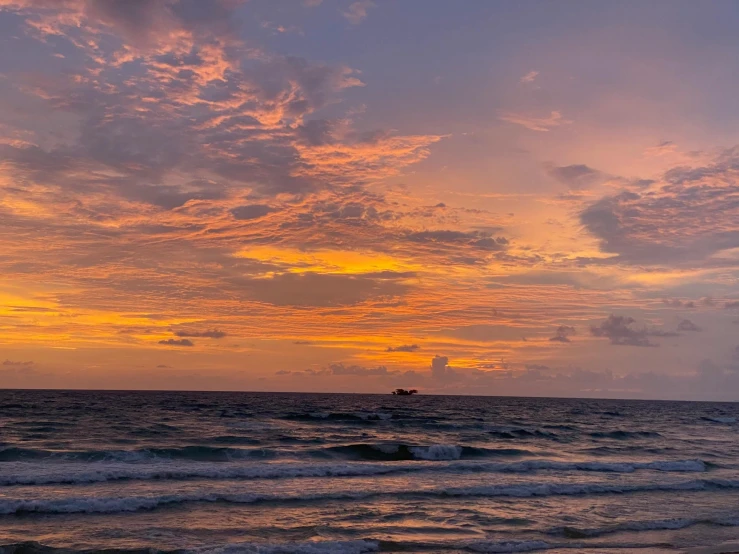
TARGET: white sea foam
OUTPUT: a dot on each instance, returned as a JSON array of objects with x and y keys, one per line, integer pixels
[{"x": 437, "y": 452}]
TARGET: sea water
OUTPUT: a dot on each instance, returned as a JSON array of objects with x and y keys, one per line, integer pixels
[{"x": 332, "y": 473}]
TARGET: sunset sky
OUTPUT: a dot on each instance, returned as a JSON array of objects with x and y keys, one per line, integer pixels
[{"x": 479, "y": 197}]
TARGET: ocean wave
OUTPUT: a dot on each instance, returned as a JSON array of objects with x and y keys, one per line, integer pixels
[
  {"x": 624, "y": 435},
  {"x": 339, "y": 416},
  {"x": 538, "y": 545},
  {"x": 401, "y": 452},
  {"x": 610, "y": 467},
  {"x": 162, "y": 471},
  {"x": 579, "y": 489},
  {"x": 520, "y": 433},
  {"x": 9, "y": 506},
  {"x": 33, "y": 547},
  {"x": 194, "y": 452},
  {"x": 100, "y": 472},
  {"x": 309, "y": 547},
  {"x": 312, "y": 547},
  {"x": 621, "y": 449},
  {"x": 646, "y": 525},
  {"x": 725, "y": 420},
  {"x": 613, "y": 413},
  {"x": 509, "y": 546}
]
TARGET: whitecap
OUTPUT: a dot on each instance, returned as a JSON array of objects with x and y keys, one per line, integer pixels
[{"x": 437, "y": 452}]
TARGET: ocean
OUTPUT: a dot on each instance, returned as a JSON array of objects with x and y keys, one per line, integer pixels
[{"x": 347, "y": 474}]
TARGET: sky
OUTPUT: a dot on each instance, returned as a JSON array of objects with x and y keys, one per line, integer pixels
[{"x": 482, "y": 197}]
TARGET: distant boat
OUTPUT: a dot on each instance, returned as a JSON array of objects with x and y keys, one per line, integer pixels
[{"x": 403, "y": 392}]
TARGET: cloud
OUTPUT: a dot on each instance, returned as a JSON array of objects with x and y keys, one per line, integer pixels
[
  {"x": 357, "y": 11},
  {"x": 722, "y": 166},
  {"x": 732, "y": 304},
  {"x": 687, "y": 325},
  {"x": 143, "y": 25},
  {"x": 178, "y": 140},
  {"x": 359, "y": 371},
  {"x": 473, "y": 239},
  {"x": 661, "y": 149},
  {"x": 577, "y": 176},
  {"x": 241, "y": 128},
  {"x": 342, "y": 370},
  {"x": 442, "y": 372},
  {"x": 210, "y": 334},
  {"x": 530, "y": 77},
  {"x": 403, "y": 348},
  {"x": 563, "y": 334},
  {"x": 320, "y": 289},
  {"x": 175, "y": 342},
  {"x": 677, "y": 303},
  {"x": 188, "y": 172},
  {"x": 618, "y": 329},
  {"x": 197, "y": 101},
  {"x": 439, "y": 366},
  {"x": 17, "y": 364},
  {"x": 708, "y": 382},
  {"x": 252, "y": 211},
  {"x": 543, "y": 124},
  {"x": 684, "y": 220}
]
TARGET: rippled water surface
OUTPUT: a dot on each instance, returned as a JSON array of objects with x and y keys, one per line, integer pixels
[{"x": 308, "y": 473}]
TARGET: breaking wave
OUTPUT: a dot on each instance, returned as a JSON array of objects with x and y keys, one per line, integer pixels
[{"x": 435, "y": 452}]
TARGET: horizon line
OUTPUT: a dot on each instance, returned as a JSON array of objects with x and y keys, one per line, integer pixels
[{"x": 220, "y": 391}]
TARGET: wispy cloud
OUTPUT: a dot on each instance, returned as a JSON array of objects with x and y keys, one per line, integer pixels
[
  {"x": 209, "y": 334},
  {"x": 663, "y": 148},
  {"x": 543, "y": 124},
  {"x": 530, "y": 77},
  {"x": 357, "y": 11}
]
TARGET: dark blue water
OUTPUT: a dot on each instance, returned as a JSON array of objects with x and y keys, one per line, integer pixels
[{"x": 308, "y": 473}]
